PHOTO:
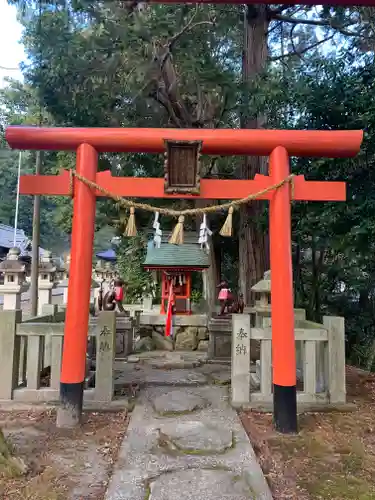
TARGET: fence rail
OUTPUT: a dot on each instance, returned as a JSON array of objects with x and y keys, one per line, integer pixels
[
  {"x": 31, "y": 355},
  {"x": 320, "y": 353}
]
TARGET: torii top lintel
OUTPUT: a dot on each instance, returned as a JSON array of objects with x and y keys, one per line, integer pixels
[
  {"x": 310, "y": 143},
  {"x": 337, "y": 144}
]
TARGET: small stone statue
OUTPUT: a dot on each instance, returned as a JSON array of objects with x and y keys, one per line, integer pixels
[{"x": 238, "y": 305}]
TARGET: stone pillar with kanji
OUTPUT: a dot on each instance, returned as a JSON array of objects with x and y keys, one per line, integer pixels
[
  {"x": 14, "y": 272},
  {"x": 46, "y": 281}
]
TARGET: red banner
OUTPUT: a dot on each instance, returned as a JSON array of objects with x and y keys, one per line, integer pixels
[{"x": 169, "y": 322}]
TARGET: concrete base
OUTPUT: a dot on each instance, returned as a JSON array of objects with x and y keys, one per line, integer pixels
[
  {"x": 46, "y": 395},
  {"x": 88, "y": 406},
  {"x": 302, "y": 407}
]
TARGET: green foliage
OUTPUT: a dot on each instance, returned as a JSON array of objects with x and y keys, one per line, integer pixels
[
  {"x": 196, "y": 296},
  {"x": 131, "y": 256},
  {"x": 163, "y": 65}
]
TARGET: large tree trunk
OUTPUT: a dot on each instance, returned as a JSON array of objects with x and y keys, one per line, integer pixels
[{"x": 253, "y": 243}]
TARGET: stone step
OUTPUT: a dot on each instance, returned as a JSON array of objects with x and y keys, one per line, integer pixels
[{"x": 151, "y": 377}]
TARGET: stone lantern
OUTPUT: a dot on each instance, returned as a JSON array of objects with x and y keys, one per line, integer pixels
[
  {"x": 263, "y": 290},
  {"x": 99, "y": 272},
  {"x": 95, "y": 288},
  {"x": 108, "y": 272},
  {"x": 14, "y": 272},
  {"x": 46, "y": 281},
  {"x": 64, "y": 282}
]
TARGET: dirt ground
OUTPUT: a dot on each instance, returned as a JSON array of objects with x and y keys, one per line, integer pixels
[
  {"x": 333, "y": 457},
  {"x": 63, "y": 464}
]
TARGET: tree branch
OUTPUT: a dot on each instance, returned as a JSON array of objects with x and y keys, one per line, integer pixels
[
  {"x": 279, "y": 10},
  {"x": 330, "y": 23},
  {"x": 188, "y": 27},
  {"x": 301, "y": 52}
]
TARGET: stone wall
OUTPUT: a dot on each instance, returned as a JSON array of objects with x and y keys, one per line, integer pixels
[{"x": 185, "y": 338}]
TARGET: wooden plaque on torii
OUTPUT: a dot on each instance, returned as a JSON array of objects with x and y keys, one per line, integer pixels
[{"x": 182, "y": 167}]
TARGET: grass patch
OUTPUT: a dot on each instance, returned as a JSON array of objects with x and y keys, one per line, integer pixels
[{"x": 334, "y": 486}]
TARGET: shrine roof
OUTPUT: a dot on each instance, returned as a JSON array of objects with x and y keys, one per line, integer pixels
[{"x": 188, "y": 255}]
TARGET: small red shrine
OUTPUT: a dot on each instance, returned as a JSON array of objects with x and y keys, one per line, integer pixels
[{"x": 176, "y": 263}]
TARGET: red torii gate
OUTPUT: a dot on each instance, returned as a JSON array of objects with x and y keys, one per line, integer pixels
[{"x": 278, "y": 145}]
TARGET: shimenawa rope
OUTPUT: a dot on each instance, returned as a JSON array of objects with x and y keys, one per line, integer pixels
[
  {"x": 177, "y": 237},
  {"x": 177, "y": 213}
]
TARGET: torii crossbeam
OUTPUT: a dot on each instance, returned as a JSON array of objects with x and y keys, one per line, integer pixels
[{"x": 278, "y": 145}]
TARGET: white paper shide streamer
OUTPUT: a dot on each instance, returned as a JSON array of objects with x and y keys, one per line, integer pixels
[
  {"x": 204, "y": 233},
  {"x": 158, "y": 231}
]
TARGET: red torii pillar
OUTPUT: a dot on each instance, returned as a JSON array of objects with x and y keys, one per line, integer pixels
[{"x": 279, "y": 145}]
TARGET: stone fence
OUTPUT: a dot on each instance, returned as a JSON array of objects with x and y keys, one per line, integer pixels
[
  {"x": 22, "y": 355},
  {"x": 320, "y": 366}
]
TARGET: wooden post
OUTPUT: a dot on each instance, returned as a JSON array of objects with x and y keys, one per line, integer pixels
[
  {"x": 240, "y": 359},
  {"x": 336, "y": 358},
  {"x": 77, "y": 314},
  {"x": 282, "y": 311}
]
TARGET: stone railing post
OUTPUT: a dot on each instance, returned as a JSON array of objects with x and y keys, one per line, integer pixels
[
  {"x": 9, "y": 352},
  {"x": 240, "y": 385},
  {"x": 124, "y": 336},
  {"x": 220, "y": 339},
  {"x": 105, "y": 356},
  {"x": 336, "y": 358}
]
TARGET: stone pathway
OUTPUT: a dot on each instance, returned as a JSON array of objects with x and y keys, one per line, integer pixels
[{"x": 185, "y": 442}]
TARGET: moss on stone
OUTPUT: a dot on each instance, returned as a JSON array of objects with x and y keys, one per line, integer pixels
[
  {"x": 170, "y": 447},
  {"x": 177, "y": 413}
]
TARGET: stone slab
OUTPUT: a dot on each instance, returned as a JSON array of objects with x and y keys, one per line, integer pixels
[
  {"x": 210, "y": 368},
  {"x": 144, "y": 470},
  {"x": 200, "y": 484},
  {"x": 180, "y": 401},
  {"x": 144, "y": 375},
  {"x": 168, "y": 364},
  {"x": 222, "y": 377},
  {"x": 195, "y": 437}
]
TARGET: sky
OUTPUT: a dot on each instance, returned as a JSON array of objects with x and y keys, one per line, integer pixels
[{"x": 11, "y": 51}]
